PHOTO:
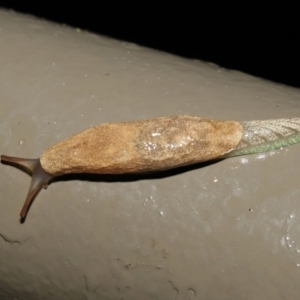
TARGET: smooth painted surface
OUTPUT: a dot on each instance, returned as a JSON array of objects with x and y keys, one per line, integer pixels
[{"x": 224, "y": 230}]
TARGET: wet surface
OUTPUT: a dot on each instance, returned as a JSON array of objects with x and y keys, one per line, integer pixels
[{"x": 219, "y": 230}]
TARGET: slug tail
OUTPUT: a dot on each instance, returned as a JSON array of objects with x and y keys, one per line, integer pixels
[
  {"x": 267, "y": 135},
  {"x": 40, "y": 177}
]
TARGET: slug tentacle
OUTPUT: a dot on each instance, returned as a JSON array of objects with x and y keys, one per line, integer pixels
[
  {"x": 267, "y": 135},
  {"x": 40, "y": 177}
]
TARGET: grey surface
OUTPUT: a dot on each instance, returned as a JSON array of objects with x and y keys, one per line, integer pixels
[{"x": 225, "y": 230}]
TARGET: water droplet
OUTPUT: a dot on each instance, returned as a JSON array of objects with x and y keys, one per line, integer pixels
[
  {"x": 261, "y": 156},
  {"x": 244, "y": 160}
]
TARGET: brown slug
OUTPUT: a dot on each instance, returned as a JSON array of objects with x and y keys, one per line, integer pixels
[{"x": 153, "y": 145}]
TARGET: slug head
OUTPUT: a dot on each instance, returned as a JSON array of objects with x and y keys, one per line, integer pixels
[{"x": 40, "y": 177}]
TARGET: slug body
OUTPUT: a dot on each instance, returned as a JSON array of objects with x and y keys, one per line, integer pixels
[
  {"x": 154, "y": 145},
  {"x": 148, "y": 145}
]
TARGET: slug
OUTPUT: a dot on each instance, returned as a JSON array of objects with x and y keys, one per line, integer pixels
[{"x": 153, "y": 145}]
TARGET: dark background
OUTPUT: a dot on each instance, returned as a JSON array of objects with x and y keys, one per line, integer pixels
[{"x": 263, "y": 43}]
